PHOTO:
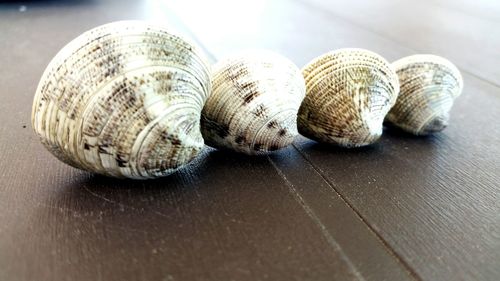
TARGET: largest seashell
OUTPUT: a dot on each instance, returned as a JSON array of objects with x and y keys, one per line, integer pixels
[
  {"x": 123, "y": 99},
  {"x": 349, "y": 92},
  {"x": 254, "y": 103},
  {"x": 429, "y": 86}
]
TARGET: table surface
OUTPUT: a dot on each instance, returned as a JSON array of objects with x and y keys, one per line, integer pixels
[{"x": 405, "y": 208}]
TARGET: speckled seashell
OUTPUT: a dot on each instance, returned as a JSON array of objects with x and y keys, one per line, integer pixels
[
  {"x": 429, "y": 86},
  {"x": 123, "y": 100},
  {"x": 254, "y": 103},
  {"x": 349, "y": 92}
]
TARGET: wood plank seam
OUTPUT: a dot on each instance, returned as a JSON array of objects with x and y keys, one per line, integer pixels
[
  {"x": 316, "y": 8},
  {"x": 316, "y": 220},
  {"x": 386, "y": 245}
]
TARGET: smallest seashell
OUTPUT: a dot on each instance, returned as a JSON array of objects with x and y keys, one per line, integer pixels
[{"x": 428, "y": 87}]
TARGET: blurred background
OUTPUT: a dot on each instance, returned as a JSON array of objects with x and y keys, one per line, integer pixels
[{"x": 466, "y": 32}]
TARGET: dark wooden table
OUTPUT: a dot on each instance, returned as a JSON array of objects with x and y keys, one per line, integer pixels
[{"x": 406, "y": 208}]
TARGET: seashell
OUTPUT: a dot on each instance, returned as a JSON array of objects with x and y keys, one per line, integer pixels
[
  {"x": 429, "y": 86},
  {"x": 349, "y": 92},
  {"x": 124, "y": 100},
  {"x": 254, "y": 103}
]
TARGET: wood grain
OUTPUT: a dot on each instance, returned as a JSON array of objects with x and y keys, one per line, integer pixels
[
  {"x": 218, "y": 221},
  {"x": 371, "y": 257},
  {"x": 435, "y": 200}
]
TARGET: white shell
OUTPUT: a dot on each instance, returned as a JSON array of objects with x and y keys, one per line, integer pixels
[
  {"x": 429, "y": 86},
  {"x": 254, "y": 103},
  {"x": 349, "y": 92},
  {"x": 124, "y": 100}
]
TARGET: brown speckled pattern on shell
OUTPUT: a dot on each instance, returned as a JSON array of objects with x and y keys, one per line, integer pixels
[
  {"x": 349, "y": 92},
  {"x": 429, "y": 86},
  {"x": 123, "y": 100},
  {"x": 254, "y": 103}
]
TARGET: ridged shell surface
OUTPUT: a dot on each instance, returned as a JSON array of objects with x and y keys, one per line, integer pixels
[
  {"x": 254, "y": 103},
  {"x": 123, "y": 100},
  {"x": 429, "y": 86},
  {"x": 349, "y": 92}
]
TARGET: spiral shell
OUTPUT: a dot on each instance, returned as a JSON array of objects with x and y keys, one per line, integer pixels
[
  {"x": 349, "y": 92},
  {"x": 254, "y": 103},
  {"x": 429, "y": 86},
  {"x": 124, "y": 100}
]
